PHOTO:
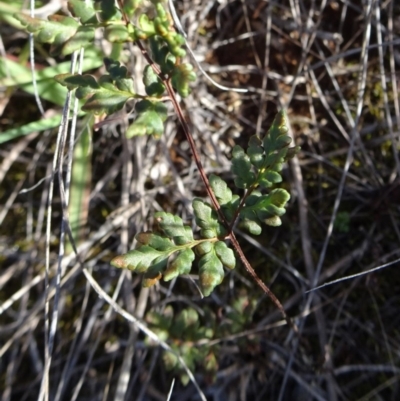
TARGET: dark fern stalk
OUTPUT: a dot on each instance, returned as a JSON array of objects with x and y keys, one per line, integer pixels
[
  {"x": 173, "y": 247},
  {"x": 258, "y": 167},
  {"x": 266, "y": 167}
]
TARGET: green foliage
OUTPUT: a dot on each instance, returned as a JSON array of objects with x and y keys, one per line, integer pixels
[
  {"x": 110, "y": 92},
  {"x": 261, "y": 164},
  {"x": 225, "y": 254},
  {"x": 258, "y": 168},
  {"x": 342, "y": 222},
  {"x": 130, "y": 6},
  {"x": 229, "y": 203},
  {"x": 183, "y": 330},
  {"x": 174, "y": 239},
  {"x": 266, "y": 208},
  {"x": 211, "y": 272},
  {"x": 109, "y": 11},
  {"x": 189, "y": 334},
  {"x": 83, "y": 10},
  {"x": 107, "y": 94},
  {"x": 18, "y": 75},
  {"x": 152, "y": 82},
  {"x": 241, "y": 166},
  {"x": 171, "y": 250},
  {"x": 238, "y": 316},
  {"x": 207, "y": 219},
  {"x": 150, "y": 119},
  {"x": 65, "y": 34},
  {"x": 161, "y": 55},
  {"x": 164, "y": 28},
  {"x": 80, "y": 184},
  {"x": 153, "y": 251},
  {"x": 181, "y": 76}
]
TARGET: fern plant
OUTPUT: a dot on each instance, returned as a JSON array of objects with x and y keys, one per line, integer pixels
[
  {"x": 173, "y": 248},
  {"x": 184, "y": 330},
  {"x": 197, "y": 336}
]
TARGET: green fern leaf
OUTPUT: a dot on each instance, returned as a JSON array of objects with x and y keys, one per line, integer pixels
[
  {"x": 207, "y": 219},
  {"x": 173, "y": 227},
  {"x": 255, "y": 151},
  {"x": 220, "y": 189},
  {"x": 139, "y": 260},
  {"x": 182, "y": 75},
  {"x": 266, "y": 208},
  {"x": 181, "y": 265},
  {"x": 225, "y": 254},
  {"x": 241, "y": 167},
  {"x": 100, "y": 96},
  {"x": 211, "y": 271},
  {"x": 83, "y": 10},
  {"x": 150, "y": 120},
  {"x": 152, "y": 83},
  {"x": 251, "y": 226}
]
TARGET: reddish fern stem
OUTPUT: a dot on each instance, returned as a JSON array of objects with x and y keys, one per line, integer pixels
[{"x": 227, "y": 225}]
